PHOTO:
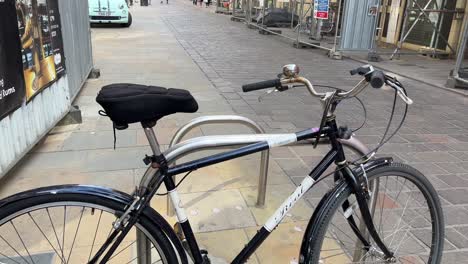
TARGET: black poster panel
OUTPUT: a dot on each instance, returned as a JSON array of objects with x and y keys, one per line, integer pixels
[
  {"x": 12, "y": 91},
  {"x": 56, "y": 34},
  {"x": 41, "y": 42}
]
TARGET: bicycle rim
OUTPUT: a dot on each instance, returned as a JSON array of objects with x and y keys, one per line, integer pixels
[
  {"x": 407, "y": 216},
  {"x": 69, "y": 232}
]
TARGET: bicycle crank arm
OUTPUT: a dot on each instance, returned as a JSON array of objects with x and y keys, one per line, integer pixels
[{"x": 365, "y": 212}]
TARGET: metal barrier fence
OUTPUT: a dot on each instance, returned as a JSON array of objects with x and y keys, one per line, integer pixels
[
  {"x": 293, "y": 20},
  {"x": 22, "y": 129},
  {"x": 367, "y": 27},
  {"x": 77, "y": 43}
]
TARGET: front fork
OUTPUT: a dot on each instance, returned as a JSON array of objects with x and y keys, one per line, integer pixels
[{"x": 366, "y": 205}]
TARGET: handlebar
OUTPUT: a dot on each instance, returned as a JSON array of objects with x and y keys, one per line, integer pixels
[
  {"x": 376, "y": 78},
  {"x": 261, "y": 85}
]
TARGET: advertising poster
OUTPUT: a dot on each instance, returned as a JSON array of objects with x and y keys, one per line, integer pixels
[
  {"x": 11, "y": 67},
  {"x": 56, "y": 34},
  {"x": 42, "y": 47}
]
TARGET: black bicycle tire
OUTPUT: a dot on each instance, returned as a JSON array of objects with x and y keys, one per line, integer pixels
[
  {"x": 154, "y": 231},
  {"x": 330, "y": 203}
]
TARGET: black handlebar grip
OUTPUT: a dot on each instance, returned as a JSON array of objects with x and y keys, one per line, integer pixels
[
  {"x": 377, "y": 79},
  {"x": 261, "y": 85}
]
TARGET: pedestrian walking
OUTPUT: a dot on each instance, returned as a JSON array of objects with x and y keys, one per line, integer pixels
[
  {"x": 206, "y": 3},
  {"x": 194, "y": 2}
]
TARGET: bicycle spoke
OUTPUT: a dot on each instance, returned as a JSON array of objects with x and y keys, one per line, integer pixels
[
  {"x": 350, "y": 238},
  {"x": 22, "y": 242},
  {"x": 56, "y": 236},
  {"x": 42, "y": 232},
  {"x": 131, "y": 260},
  {"x": 14, "y": 249},
  {"x": 407, "y": 260},
  {"x": 401, "y": 242},
  {"x": 401, "y": 220},
  {"x": 341, "y": 241},
  {"x": 95, "y": 235},
  {"x": 76, "y": 233},
  {"x": 333, "y": 255},
  {"x": 333, "y": 249},
  {"x": 5, "y": 256},
  {"x": 64, "y": 224},
  {"x": 122, "y": 250},
  {"x": 381, "y": 208},
  {"x": 364, "y": 256}
]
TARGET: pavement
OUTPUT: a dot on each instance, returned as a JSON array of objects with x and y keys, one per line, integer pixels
[{"x": 179, "y": 45}]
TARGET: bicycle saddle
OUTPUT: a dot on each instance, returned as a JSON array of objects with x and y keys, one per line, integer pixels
[{"x": 126, "y": 103}]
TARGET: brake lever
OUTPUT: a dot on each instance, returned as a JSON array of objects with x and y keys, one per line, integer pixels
[
  {"x": 400, "y": 92},
  {"x": 267, "y": 93},
  {"x": 404, "y": 97},
  {"x": 277, "y": 89}
]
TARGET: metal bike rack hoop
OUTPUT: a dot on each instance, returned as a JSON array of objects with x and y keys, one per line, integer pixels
[{"x": 224, "y": 119}]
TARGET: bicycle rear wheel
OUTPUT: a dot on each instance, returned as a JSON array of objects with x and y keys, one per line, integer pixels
[
  {"x": 70, "y": 228},
  {"x": 407, "y": 216}
]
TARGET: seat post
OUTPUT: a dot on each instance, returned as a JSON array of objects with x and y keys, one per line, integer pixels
[{"x": 153, "y": 141}]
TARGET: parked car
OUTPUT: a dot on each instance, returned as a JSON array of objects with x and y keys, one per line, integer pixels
[
  {"x": 277, "y": 17},
  {"x": 109, "y": 12}
]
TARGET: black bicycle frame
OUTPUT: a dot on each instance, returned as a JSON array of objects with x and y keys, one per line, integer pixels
[{"x": 335, "y": 155}]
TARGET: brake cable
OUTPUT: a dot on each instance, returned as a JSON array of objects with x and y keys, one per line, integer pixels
[{"x": 329, "y": 102}]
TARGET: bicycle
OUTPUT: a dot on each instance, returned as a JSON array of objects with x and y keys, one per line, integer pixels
[{"x": 387, "y": 229}]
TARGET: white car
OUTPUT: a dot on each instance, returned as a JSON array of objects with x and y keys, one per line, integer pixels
[{"x": 109, "y": 12}]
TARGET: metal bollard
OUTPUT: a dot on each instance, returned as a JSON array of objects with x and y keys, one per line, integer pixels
[
  {"x": 227, "y": 119},
  {"x": 143, "y": 248}
]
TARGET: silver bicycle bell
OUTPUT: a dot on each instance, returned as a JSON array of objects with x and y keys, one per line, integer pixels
[{"x": 290, "y": 70}]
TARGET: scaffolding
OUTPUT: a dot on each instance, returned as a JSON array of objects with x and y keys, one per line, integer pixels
[
  {"x": 459, "y": 76},
  {"x": 432, "y": 13}
]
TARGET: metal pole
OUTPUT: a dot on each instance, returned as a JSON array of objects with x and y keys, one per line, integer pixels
[
  {"x": 375, "y": 26},
  {"x": 227, "y": 119},
  {"x": 248, "y": 15},
  {"x": 337, "y": 25},
  {"x": 263, "y": 12},
  {"x": 234, "y": 8},
  {"x": 461, "y": 49},
  {"x": 403, "y": 30},
  {"x": 461, "y": 54},
  {"x": 143, "y": 245},
  {"x": 435, "y": 36},
  {"x": 293, "y": 9},
  {"x": 300, "y": 23}
]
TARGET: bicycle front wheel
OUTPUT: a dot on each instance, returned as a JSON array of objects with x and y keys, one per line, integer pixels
[
  {"x": 407, "y": 215},
  {"x": 71, "y": 228}
]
